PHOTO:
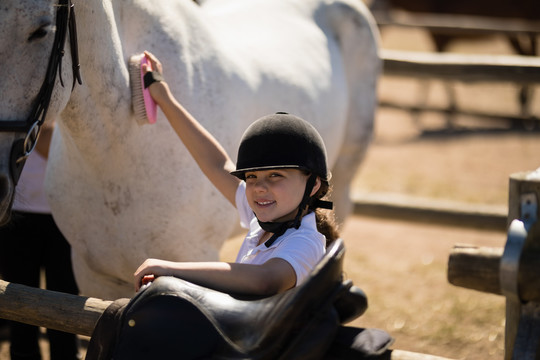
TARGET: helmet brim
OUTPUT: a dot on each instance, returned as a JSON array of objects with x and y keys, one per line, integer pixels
[{"x": 241, "y": 173}]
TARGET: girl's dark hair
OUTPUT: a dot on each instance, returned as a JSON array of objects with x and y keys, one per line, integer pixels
[{"x": 326, "y": 221}]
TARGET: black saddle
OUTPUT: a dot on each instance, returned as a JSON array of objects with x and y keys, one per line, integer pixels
[{"x": 174, "y": 318}]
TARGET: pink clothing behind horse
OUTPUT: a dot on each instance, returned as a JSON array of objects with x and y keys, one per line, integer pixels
[{"x": 30, "y": 195}]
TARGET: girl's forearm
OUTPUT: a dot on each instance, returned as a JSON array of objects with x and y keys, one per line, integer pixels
[
  {"x": 268, "y": 279},
  {"x": 227, "y": 277}
]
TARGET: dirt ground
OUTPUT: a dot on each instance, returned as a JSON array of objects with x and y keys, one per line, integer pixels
[{"x": 402, "y": 266}]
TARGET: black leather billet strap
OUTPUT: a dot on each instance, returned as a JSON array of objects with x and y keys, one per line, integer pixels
[{"x": 14, "y": 126}]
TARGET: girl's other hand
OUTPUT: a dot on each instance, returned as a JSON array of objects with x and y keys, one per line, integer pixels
[
  {"x": 154, "y": 62},
  {"x": 158, "y": 90}
]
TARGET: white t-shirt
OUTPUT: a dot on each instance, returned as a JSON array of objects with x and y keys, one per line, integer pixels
[
  {"x": 302, "y": 248},
  {"x": 29, "y": 194}
]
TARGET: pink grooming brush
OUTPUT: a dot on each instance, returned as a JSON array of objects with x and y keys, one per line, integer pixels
[
  {"x": 144, "y": 106},
  {"x": 149, "y": 103}
]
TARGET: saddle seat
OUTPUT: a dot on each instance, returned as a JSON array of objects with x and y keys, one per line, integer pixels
[{"x": 275, "y": 327}]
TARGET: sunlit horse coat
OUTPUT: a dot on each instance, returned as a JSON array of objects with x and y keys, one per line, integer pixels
[{"x": 122, "y": 192}]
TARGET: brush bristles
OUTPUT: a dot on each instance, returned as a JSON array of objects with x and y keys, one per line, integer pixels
[{"x": 136, "y": 85}]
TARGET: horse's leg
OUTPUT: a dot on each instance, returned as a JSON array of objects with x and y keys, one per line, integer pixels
[{"x": 358, "y": 39}]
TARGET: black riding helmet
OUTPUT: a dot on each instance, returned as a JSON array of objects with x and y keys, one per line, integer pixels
[
  {"x": 284, "y": 141},
  {"x": 280, "y": 141}
]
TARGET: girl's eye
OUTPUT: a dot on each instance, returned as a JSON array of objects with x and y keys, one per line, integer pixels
[{"x": 276, "y": 175}]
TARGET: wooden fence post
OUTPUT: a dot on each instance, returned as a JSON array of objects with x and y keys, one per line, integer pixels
[
  {"x": 522, "y": 333},
  {"x": 512, "y": 271}
]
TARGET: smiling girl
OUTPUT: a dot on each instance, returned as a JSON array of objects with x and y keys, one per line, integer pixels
[{"x": 279, "y": 180}]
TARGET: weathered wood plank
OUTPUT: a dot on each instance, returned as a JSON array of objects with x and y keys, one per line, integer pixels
[
  {"x": 512, "y": 119},
  {"x": 50, "y": 309},
  {"x": 462, "y": 67},
  {"x": 453, "y": 24},
  {"x": 411, "y": 208},
  {"x": 477, "y": 268}
]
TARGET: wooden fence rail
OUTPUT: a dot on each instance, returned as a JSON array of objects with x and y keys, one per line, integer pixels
[
  {"x": 516, "y": 69},
  {"x": 477, "y": 268},
  {"x": 50, "y": 309},
  {"x": 412, "y": 208},
  {"x": 453, "y": 24},
  {"x": 462, "y": 67}
]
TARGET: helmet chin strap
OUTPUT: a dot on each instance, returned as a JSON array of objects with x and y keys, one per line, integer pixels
[{"x": 279, "y": 228}]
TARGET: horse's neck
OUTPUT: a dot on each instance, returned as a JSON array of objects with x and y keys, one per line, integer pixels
[
  {"x": 105, "y": 87},
  {"x": 109, "y": 32}
]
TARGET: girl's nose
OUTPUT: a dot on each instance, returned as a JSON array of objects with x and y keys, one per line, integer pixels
[{"x": 260, "y": 185}]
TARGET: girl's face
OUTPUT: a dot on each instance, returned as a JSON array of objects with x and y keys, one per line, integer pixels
[{"x": 274, "y": 195}]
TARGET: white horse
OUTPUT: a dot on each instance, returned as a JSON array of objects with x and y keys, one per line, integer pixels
[{"x": 122, "y": 192}]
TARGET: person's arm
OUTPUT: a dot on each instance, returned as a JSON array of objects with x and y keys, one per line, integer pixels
[
  {"x": 272, "y": 277},
  {"x": 205, "y": 149}
]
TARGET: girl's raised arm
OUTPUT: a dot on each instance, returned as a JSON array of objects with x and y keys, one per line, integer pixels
[{"x": 212, "y": 159}]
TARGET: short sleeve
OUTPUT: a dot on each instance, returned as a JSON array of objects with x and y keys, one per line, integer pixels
[
  {"x": 302, "y": 252},
  {"x": 242, "y": 206}
]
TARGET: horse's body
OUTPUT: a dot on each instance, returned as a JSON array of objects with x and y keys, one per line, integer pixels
[{"x": 121, "y": 192}]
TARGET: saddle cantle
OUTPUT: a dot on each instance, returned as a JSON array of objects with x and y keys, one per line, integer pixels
[{"x": 174, "y": 318}]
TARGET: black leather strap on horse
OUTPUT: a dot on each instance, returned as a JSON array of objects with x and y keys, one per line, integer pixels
[{"x": 65, "y": 22}]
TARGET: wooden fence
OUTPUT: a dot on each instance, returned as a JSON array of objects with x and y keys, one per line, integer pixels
[
  {"x": 517, "y": 69},
  {"x": 462, "y": 67},
  {"x": 512, "y": 271},
  {"x": 453, "y": 24}
]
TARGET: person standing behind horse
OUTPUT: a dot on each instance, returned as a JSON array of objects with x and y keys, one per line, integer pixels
[
  {"x": 280, "y": 178},
  {"x": 30, "y": 243}
]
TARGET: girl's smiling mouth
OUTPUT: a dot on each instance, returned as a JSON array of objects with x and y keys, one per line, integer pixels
[{"x": 265, "y": 203}]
